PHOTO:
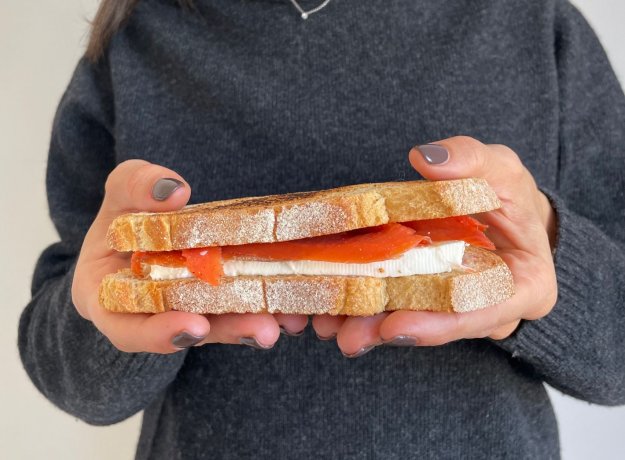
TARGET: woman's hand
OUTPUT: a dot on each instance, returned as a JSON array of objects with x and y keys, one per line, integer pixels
[
  {"x": 523, "y": 230},
  {"x": 137, "y": 185}
]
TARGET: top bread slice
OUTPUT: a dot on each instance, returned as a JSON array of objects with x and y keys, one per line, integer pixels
[{"x": 293, "y": 216}]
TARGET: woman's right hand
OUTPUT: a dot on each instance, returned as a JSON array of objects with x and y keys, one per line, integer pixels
[{"x": 136, "y": 185}]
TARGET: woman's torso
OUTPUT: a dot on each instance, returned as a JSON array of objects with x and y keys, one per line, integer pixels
[{"x": 246, "y": 98}]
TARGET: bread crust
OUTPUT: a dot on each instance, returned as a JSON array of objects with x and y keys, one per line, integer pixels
[
  {"x": 299, "y": 215},
  {"x": 484, "y": 280}
]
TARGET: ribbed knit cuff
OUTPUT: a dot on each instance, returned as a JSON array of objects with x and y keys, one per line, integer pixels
[
  {"x": 119, "y": 384},
  {"x": 545, "y": 341},
  {"x": 108, "y": 360}
]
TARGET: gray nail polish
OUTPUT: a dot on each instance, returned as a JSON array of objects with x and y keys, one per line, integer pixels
[
  {"x": 185, "y": 340},
  {"x": 360, "y": 352},
  {"x": 330, "y": 337},
  {"x": 252, "y": 342},
  {"x": 164, "y": 188},
  {"x": 289, "y": 333},
  {"x": 434, "y": 154},
  {"x": 402, "y": 341}
]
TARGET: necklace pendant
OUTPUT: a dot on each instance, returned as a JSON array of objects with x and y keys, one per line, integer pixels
[{"x": 305, "y": 14}]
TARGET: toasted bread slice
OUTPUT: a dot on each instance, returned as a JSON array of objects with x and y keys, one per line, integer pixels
[
  {"x": 484, "y": 280},
  {"x": 299, "y": 215}
]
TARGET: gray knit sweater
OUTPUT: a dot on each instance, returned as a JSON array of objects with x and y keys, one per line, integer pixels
[{"x": 245, "y": 98}]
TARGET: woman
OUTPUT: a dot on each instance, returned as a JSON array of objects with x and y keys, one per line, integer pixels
[{"x": 243, "y": 99}]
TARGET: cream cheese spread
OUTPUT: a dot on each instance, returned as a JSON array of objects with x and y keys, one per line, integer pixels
[{"x": 422, "y": 260}]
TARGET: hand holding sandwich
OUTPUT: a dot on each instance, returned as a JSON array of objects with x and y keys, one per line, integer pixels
[
  {"x": 137, "y": 185},
  {"x": 523, "y": 230}
]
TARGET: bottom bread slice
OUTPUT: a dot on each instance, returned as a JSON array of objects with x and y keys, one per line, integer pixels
[{"x": 483, "y": 280}]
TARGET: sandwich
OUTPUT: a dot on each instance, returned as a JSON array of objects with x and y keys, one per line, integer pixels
[{"x": 356, "y": 250}]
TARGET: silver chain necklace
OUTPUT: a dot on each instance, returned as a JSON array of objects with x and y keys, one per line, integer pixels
[{"x": 305, "y": 14}]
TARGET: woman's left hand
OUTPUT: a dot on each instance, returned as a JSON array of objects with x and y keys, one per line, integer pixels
[{"x": 523, "y": 230}]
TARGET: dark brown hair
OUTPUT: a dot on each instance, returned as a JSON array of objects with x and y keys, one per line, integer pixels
[{"x": 110, "y": 17}]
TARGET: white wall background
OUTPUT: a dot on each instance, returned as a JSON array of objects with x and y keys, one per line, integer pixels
[{"x": 40, "y": 42}]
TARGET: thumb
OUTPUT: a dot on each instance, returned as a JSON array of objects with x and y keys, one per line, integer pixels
[
  {"x": 135, "y": 186},
  {"x": 462, "y": 157},
  {"x": 521, "y": 221}
]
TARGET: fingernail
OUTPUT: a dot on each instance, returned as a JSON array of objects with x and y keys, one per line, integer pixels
[
  {"x": 402, "y": 341},
  {"x": 289, "y": 333},
  {"x": 330, "y": 337},
  {"x": 434, "y": 154},
  {"x": 252, "y": 342},
  {"x": 360, "y": 352},
  {"x": 185, "y": 340},
  {"x": 164, "y": 188}
]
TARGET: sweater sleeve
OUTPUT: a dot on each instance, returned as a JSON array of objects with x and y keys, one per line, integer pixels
[
  {"x": 67, "y": 358},
  {"x": 579, "y": 348}
]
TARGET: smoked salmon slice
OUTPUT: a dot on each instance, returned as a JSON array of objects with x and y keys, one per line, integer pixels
[
  {"x": 165, "y": 259},
  {"x": 360, "y": 246},
  {"x": 205, "y": 263},
  {"x": 371, "y": 244},
  {"x": 457, "y": 228}
]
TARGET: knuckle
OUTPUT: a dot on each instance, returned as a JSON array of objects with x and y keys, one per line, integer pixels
[
  {"x": 120, "y": 172},
  {"x": 481, "y": 334},
  {"x": 120, "y": 345},
  {"x": 517, "y": 172},
  {"x": 550, "y": 300},
  {"x": 471, "y": 151},
  {"x": 551, "y": 284},
  {"x": 467, "y": 326},
  {"x": 75, "y": 297},
  {"x": 77, "y": 306},
  {"x": 109, "y": 332},
  {"x": 502, "y": 332},
  {"x": 138, "y": 177},
  {"x": 496, "y": 316},
  {"x": 517, "y": 212},
  {"x": 509, "y": 329},
  {"x": 512, "y": 163},
  {"x": 513, "y": 159},
  {"x": 544, "y": 283},
  {"x": 119, "y": 341},
  {"x": 496, "y": 322},
  {"x": 467, "y": 142},
  {"x": 553, "y": 299},
  {"x": 497, "y": 335}
]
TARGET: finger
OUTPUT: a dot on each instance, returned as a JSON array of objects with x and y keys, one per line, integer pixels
[
  {"x": 135, "y": 185},
  {"x": 460, "y": 157},
  {"x": 87, "y": 277},
  {"x": 163, "y": 333},
  {"x": 422, "y": 328},
  {"x": 291, "y": 324},
  {"x": 508, "y": 234},
  {"x": 510, "y": 229},
  {"x": 132, "y": 185},
  {"x": 260, "y": 330},
  {"x": 535, "y": 284},
  {"x": 360, "y": 334},
  {"x": 519, "y": 220},
  {"x": 536, "y": 293},
  {"x": 426, "y": 328},
  {"x": 327, "y": 326}
]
